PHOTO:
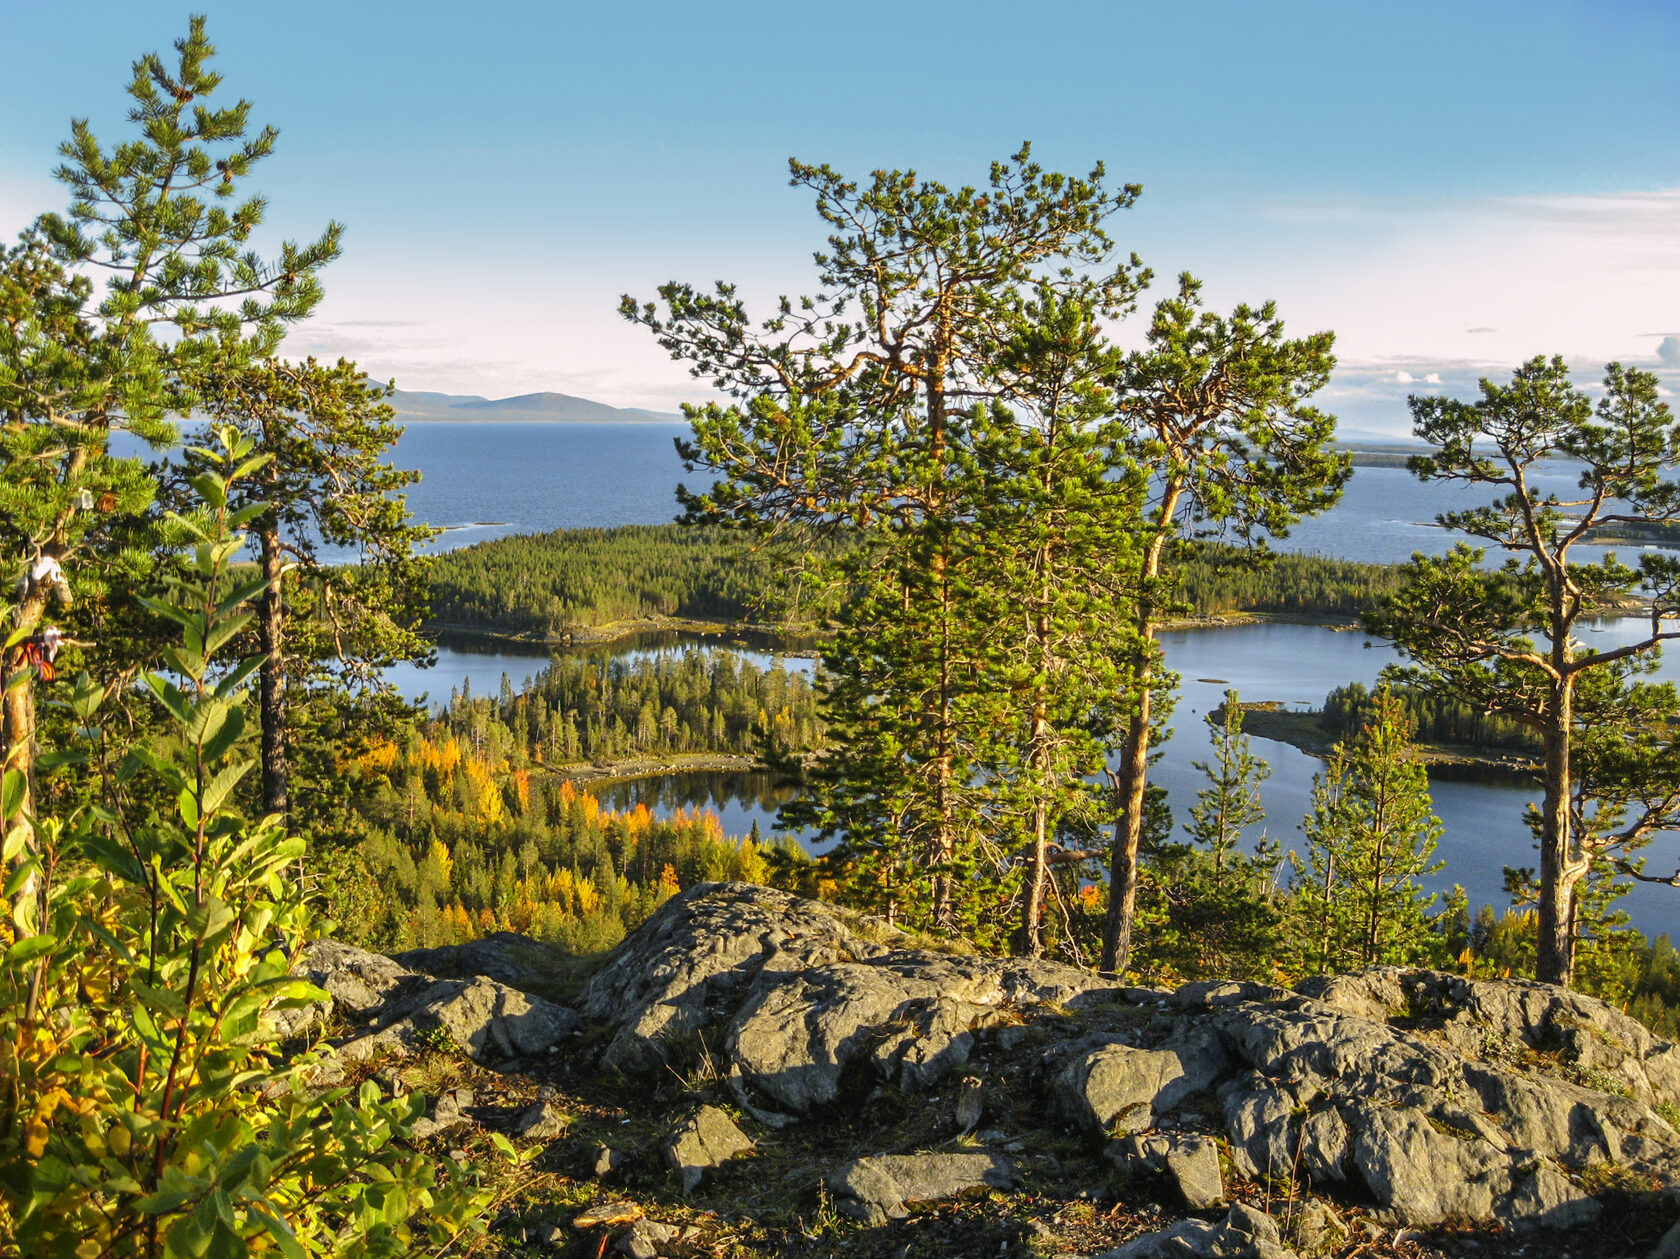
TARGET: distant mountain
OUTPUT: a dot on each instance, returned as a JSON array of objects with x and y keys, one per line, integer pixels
[{"x": 558, "y": 407}]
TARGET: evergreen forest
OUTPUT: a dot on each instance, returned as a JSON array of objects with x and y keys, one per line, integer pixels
[{"x": 567, "y": 583}]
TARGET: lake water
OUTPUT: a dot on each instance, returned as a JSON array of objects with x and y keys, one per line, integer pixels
[
  {"x": 488, "y": 480},
  {"x": 1294, "y": 665},
  {"x": 482, "y": 481},
  {"x": 480, "y": 665}
]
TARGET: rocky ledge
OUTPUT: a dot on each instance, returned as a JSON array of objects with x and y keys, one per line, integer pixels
[{"x": 1390, "y": 1112}]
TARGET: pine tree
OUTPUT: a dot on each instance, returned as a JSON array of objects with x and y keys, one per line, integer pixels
[
  {"x": 1210, "y": 908},
  {"x": 325, "y": 432},
  {"x": 1054, "y": 534},
  {"x": 863, "y": 408},
  {"x": 1217, "y": 414},
  {"x": 1370, "y": 835},
  {"x": 156, "y": 212},
  {"x": 1504, "y": 639},
  {"x": 1230, "y": 803}
]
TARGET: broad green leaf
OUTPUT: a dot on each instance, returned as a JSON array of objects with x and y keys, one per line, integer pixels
[{"x": 30, "y": 948}]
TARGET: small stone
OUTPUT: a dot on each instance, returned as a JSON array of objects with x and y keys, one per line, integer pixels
[
  {"x": 1009, "y": 1038},
  {"x": 706, "y": 1140},
  {"x": 447, "y": 1115},
  {"x": 543, "y": 1122},
  {"x": 608, "y": 1214},
  {"x": 1315, "y": 1228},
  {"x": 970, "y": 1103},
  {"x": 643, "y": 1239},
  {"x": 1190, "y": 1160},
  {"x": 881, "y": 1188},
  {"x": 608, "y": 1160}
]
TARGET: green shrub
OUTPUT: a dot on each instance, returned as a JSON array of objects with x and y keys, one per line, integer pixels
[{"x": 144, "y": 1106}]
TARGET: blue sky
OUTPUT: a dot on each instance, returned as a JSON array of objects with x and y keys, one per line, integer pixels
[{"x": 1450, "y": 187}]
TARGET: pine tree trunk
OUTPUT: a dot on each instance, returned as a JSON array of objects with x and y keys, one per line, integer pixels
[
  {"x": 272, "y": 691},
  {"x": 1132, "y": 781},
  {"x": 18, "y": 728},
  {"x": 1133, "y": 776},
  {"x": 1038, "y": 880},
  {"x": 1559, "y": 875},
  {"x": 944, "y": 848}
]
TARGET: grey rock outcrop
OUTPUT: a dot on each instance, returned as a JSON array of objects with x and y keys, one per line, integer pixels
[
  {"x": 1429, "y": 1133},
  {"x": 505, "y": 956},
  {"x": 390, "y": 1008},
  {"x": 1482, "y": 1017},
  {"x": 909, "y": 1015},
  {"x": 358, "y": 984},
  {"x": 1421, "y": 1097},
  {"x": 704, "y": 1141},
  {"x": 880, "y": 1188},
  {"x": 490, "y": 1021},
  {"x": 797, "y": 995},
  {"x": 1244, "y": 1233},
  {"x": 688, "y": 966}
]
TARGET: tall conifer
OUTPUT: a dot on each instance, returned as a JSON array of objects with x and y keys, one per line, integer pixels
[
  {"x": 158, "y": 215},
  {"x": 1217, "y": 412},
  {"x": 862, "y": 407}
]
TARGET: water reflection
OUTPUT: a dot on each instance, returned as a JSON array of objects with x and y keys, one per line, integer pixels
[
  {"x": 742, "y": 798},
  {"x": 1294, "y": 665},
  {"x": 466, "y": 663}
]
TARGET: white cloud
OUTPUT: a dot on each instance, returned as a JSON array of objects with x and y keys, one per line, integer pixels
[
  {"x": 1404, "y": 378},
  {"x": 1434, "y": 378},
  {"x": 1494, "y": 280}
]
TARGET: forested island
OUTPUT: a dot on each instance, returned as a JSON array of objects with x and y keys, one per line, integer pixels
[
  {"x": 1447, "y": 732},
  {"x": 942, "y": 468},
  {"x": 592, "y": 585}
]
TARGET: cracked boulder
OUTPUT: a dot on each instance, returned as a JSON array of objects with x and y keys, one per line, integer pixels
[
  {"x": 490, "y": 1021},
  {"x": 1592, "y": 1042},
  {"x": 908, "y": 1016},
  {"x": 1120, "y": 1088},
  {"x": 1408, "y": 1120},
  {"x": 687, "y": 968},
  {"x": 796, "y": 996},
  {"x": 885, "y": 1186}
]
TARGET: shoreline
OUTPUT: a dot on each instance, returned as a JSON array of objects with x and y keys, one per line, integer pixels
[
  {"x": 805, "y": 633},
  {"x": 1305, "y": 732},
  {"x": 616, "y": 631},
  {"x": 631, "y": 769}
]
